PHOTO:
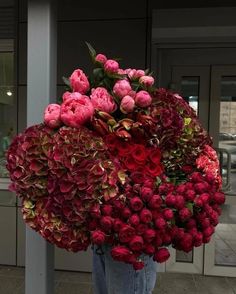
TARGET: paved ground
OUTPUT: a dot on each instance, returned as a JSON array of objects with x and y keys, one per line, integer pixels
[{"x": 12, "y": 282}]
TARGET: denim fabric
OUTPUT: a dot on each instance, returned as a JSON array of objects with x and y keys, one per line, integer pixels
[{"x": 113, "y": 277}]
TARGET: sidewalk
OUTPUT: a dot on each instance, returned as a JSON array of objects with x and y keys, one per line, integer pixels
[{"x": 12, "y": 281}]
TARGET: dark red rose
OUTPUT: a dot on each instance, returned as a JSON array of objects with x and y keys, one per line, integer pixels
[
  {"x": 168, "y": 214},
  {"x": 205, "y": 223},
  {"x": 187, "y": 169},
  {"x": 124, "y": 147},
  {"x": 146, "y": 193},
  {"x": 120, "y": 253},
  {"x": 95, "y": 211},
  {"x": 136, "y": 244},
  {"x": 208, "y": 231},
  {"x": 190, "y": 195},
  {"x": 186, "y": 242},
  {"x": 160, "y": 223},
  {"x": 106, "y": 223},
  {"x": 137, "y": 177},
  {"x": 126, "y": 212},
  {"x": 155, "y": 155},
  {"x": 198, "y": 202},
  {"x": 196, "y": 177},
  {"x": 153, "y": 169},
  {"x": 130, "y": 163},
  {"x": 149, "y": 249},
  {"x": 179, "y": 202},
  {"x": 205, "y": 197},
  {"x": 139, "y": 153},
  {"x": 126, "y": 233},
  {"x": 155, "y": 202},
  {"x": 145, "y": 215},
  {"x": 166, "y": 188},
  {"x": 181, "y": 188},
  {"x": 141, "y": 228},
  {"x": 106, "y": 209},
  {"x": 219, "y": 198},
  {"x": 149, "y": 235},
  {"x": 201, "y": 187},
  {"x": 92, "y": 225},
  {"x": 185, "y": 214},
  {"x": 158, "y": 241},
  {"x": 134, "y": 220},
  {"x": 161, "y": 255},
  {"x": 198, "y": 239},
  {"x": 136, "y": 204},
  {"x": 98, "y": 237},
  {"x": 117, "y": 225},
  {"x": 170, "y": 200},
  {"x": 166, "y": 239},
  {"x": 138, "y": 265},
  {"x": 191, "y": 223}
]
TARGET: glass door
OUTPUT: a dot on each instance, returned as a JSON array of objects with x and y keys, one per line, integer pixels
[
  {"x": 211, "y": 91},
  {"x": 220, "y": 254}
]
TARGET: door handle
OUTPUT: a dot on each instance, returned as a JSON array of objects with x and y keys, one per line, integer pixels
[{"x": 225, "y": 167}]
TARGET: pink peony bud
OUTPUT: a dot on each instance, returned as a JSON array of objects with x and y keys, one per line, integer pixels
[
  {"x": 52, "y": 115},
  {"x": 75, "y": 112},
  {"x": 143, "y": 99},
  {"x": 111, "y": 66},
  {"x": 122, "y": 88},
  {"x": 102, "y": 100},
  {"x": 147, "y": 81},
  {"x": 134, "y": 74},
  {"x": 79, "y": 81},
  {"x": 101, "y": 58},
  {"x": 68, "y": 95},
  {"x": 127, "y": 104}
]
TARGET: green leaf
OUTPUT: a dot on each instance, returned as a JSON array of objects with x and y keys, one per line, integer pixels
[
  {"x": 190, "y": 206},
  {"x": 98, "y": 73},
  {"x": 66, "y": 81},
  {"x": 92, "y": 51}
]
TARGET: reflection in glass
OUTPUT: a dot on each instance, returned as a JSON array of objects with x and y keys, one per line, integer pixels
[
  {"x": 225, "y": 237},
  {"x": 184, "y": 257},
  {"x": 190, "y": 91},
  {"x": 7, "y": 107},
  {"x": 227, "y": 132}
]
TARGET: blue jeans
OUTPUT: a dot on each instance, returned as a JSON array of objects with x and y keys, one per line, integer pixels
[{"x": 113, "y": 277}]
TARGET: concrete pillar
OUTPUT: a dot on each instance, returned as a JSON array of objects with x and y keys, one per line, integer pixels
[{"x": 41, "y": 90}]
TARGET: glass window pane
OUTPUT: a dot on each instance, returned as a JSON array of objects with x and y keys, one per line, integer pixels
[
  {"x": 184, "y": 257},
  {"x": 8, "y": 117},
  {"x": 225, "y": 237},
  {"x": 190, "y": 91},
  {"x": 227, "y": 132}
]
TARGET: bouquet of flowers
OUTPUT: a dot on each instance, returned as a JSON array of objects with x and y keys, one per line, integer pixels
[{"x": 118, "y": 162}]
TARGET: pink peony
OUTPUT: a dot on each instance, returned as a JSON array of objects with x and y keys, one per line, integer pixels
[
  {"x": 79, "y": 81},
  {"x": 127, "y": 104},
  {"x": 102, "y": 100},
  {"x": 143, "y": 99},
  {"x": 101, "y": 58},
  {"x": 111, "y": 66},
  {"x": 147, "y": 81},
  {"x": 122, "y": 88},
  {"x": 68, "y": 95},
  {"x": 75, "y": 112},
  {"x": 52, "y": 115},
  {"x": 135, "y": 74}
]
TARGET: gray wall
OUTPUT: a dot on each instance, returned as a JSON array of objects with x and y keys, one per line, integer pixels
[{"x": 115, "y": 30}]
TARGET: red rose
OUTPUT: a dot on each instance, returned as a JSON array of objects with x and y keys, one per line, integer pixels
[
  {"x": 170, "y": 200},
  {"x": 124, "y": 147},
  {"x": 161, "y": 255},
  {"x": 155, "y": 156},
  {"x": 130, "y": 163},
  {"x": 198, "y": 202},
  {"x": 138, "y": 265},
  {"x": 196, "y": 177},
  {"x": 198, "y": 239},
  {"x": 146, "y": 193},
  {"x": 186, "y": 242},
  {"x": 149, "y": 235},
  {"x": 158, "y": 241},
  {"x": 120, "y": 253},
  {"x": 153, "y": 169},
  {"x": 191, "y": 223},
  {"x": 149, "y": 249},
  {"x": 134, "y": 220},
  {"x": 126, "y": 213},
  {"x": 145, "y": 215},
  {"x": 190, "y": 195},
  {"x": 208, "y": 231},
  {"x": 139, "y": 153},
  {"x": 166, "y": 239},
  {"x": 106, "y": 209},
  {"x": 95, "y": 211},
  {"x": 141, "y": 228},
  {"x": 98, "y": 237},
  {"x": 126, "y": 233},
  {"x": 179, "y": 202},
  {"x": 219, "y": 198},
  {"x": 137, "y": 177},
  {"x": 136, "y": 244},
  {"x": 136, "y": 204},
  {"x": 185, "y": 214},
  {"x": 201, "y": 187},
  {"x": 205, "y": 223},
  {"x": 155, "y": 202},
  {"x": 166, "y": 188},
  {"x": 168, "y": 214},
  {"x": 106, "y": 223},
  {"x": 117, "y": 225},
  {"x": 160, "y": 223},
  {"x": 181, "y": 188}
]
